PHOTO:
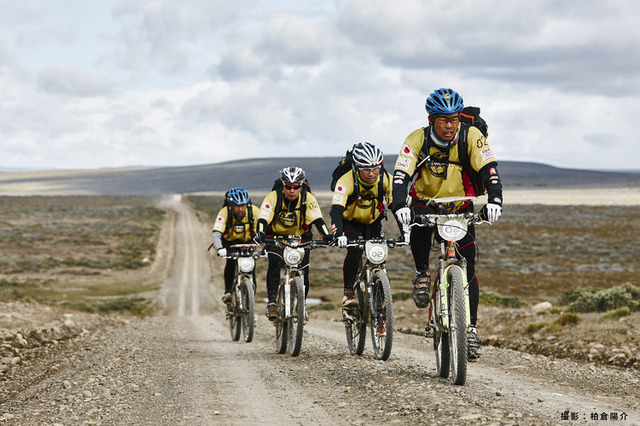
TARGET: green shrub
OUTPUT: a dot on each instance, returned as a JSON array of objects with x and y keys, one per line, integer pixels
[
  {"x": 601, "y": 300},
  {"x": 493, "y": 298},
  {"x": 617, "y": 314},
  {"x": 567, "y": 318},
  {"x": 535, "y": 326}
]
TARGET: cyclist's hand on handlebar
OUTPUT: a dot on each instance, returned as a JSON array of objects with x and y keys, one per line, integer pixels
[
  {"x": 404, "y": 215},
  {"x": 492, "y": 212},
  {"x": 259, "y": 237},
  {"x": 222, "y": 252},
  {"x": 342, "y": 241}
]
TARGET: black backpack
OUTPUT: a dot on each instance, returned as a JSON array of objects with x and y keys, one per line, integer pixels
[
  {"x": 278, "y": 186},
  {"x": 469, "y": 116},
  {"x": 230, "y": 213},
  {"x": 345, "y": 165}
]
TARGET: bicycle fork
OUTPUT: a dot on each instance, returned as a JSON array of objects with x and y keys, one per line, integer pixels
[{"x": 445, "y": 266}]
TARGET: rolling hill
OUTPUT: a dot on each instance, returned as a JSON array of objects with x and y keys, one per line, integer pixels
[{"x": 259, "y": 174}]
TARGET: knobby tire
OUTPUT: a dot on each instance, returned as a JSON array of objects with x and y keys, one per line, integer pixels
[
  {"x": 281, "y": 322},
  {"x": 356, "y": 330},
  {"x": 296, "y": 321},
  {"x": 458, "y": 325},
  {"x": 381, "y": 309},
  {"x": 248, "y": 310}
]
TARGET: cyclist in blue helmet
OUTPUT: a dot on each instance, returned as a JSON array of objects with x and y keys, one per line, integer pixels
[
  {"x": 429, "y": 166},
  {"x": 235, "y": 224}
]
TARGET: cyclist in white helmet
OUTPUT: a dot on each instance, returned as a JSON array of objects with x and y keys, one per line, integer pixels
[
  {"x": 289, "y": 209},
  {"x": 357, "y": 208}
]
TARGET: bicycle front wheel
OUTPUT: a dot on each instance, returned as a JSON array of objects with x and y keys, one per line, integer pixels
[
  {"x": 458, "y": 326},
  {"x": 296, "y": 320},
  {"x": 381, "y": 308},
  {"x": 281, "y": 321},
  {"x": 356, "y": 326},
  {"x": 248, "y": 310}
]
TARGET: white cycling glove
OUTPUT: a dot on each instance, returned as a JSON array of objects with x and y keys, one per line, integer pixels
[
  {"x": 493, "y": 212},
  {"x": 404, "y": 215},
  {"x": 342, "y": 241},
  {"x": 222, "y": 252}
]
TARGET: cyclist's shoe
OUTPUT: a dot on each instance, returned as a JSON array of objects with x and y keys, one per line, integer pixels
[
  {"x": 306, "y": 315},
  {"x": 473, "y": 345},
  {"x": 422, "y": 289},
  {"x": 348, "y": 301},
  {"x": 272, "y": 311},
  {"x": 226, "y": 298}
]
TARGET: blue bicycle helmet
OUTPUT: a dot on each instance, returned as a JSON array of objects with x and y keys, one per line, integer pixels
[
  {"x": 444, "y": 101},
  {"x": 237, "y": 196}
]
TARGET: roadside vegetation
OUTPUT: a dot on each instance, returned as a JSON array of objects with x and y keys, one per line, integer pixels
[{"x": 67, "y": 250}]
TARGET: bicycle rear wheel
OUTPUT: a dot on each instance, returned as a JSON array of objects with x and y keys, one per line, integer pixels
[
  {"x": 381, "y": 308},
  {"x": 296, "y": 320},
  {"x": 458, "y": 326},
  {"x": 248, "y": 310},
  {"x": 233, "y": 317},
  {"x": 281, "y": 322},
  {"x": 356, "y": 326}
]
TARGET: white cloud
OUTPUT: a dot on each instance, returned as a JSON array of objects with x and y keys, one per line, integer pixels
[
  {"x": 72, "y": 82},
  {"x": 154, "y": 82}
]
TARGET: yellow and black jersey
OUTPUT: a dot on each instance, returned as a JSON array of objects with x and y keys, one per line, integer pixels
[
  {"x": 286, "y": 219},
  {"x": 442, "y": 175},
  {"x": 233, "y": 230},
  {"x": 366, "y": 206}
]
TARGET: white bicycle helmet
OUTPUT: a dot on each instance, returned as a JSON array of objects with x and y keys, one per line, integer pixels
[
  {"x": 366, "y": 155},
  {"x": 292, "y": 175}
]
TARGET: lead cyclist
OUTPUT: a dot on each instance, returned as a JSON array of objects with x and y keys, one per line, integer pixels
[{"x": 441, "y": 175}]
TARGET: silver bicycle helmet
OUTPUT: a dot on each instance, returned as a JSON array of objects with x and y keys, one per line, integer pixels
[
  {"x": 292, "y": 175},
  {"x": 366, "y": 155}
]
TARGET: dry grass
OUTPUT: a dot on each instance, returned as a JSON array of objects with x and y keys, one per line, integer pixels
[{"x": 77, "y": 250}]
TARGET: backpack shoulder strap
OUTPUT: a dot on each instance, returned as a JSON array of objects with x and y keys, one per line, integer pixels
[
  {"x": 424, "y": 149},
  {"x": 227, "y": 224},
  {"x": 250, "y": 213},
  {"x": 356, "y": 187},
  {"x": 463, "y": 148}
]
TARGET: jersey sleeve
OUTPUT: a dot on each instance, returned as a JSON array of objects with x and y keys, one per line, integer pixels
[
  {"x": 480, "y": 153},
  {"x": 344, "y": 188},
  {"x": 221, "y": 221},
  {"x": 313, "y": 209},
  {"x": 409, "y": 152},
  {"x": 267, "y": 209}
]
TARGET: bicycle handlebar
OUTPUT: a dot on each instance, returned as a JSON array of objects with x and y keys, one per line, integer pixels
[
  {"x": 285, "y": 241},
  {"x": 432, "y": 218}
]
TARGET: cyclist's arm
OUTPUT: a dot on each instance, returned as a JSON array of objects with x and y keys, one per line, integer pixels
[
  {"x": 322, "y": 228},
  {"x": 492, "y": 183},
  {"x": 344, "y": 189},
  {"x": 405, "y": 167},
  {"x": 336, "y": 213},
  {"x": 217, "y": 239}
]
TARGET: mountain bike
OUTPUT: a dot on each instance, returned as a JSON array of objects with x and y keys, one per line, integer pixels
[
  {"x": 290, "y": 300},
  {"x": 240, "y": 312},
  {"x": 449, "y": 314},
  {"x": 372, "y": 291}
]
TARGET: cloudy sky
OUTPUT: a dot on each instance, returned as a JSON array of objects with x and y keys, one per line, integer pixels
[{"x": 111, "y": 83}]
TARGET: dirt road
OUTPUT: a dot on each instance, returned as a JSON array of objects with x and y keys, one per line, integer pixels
[{"x": 181, "y": 367}]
